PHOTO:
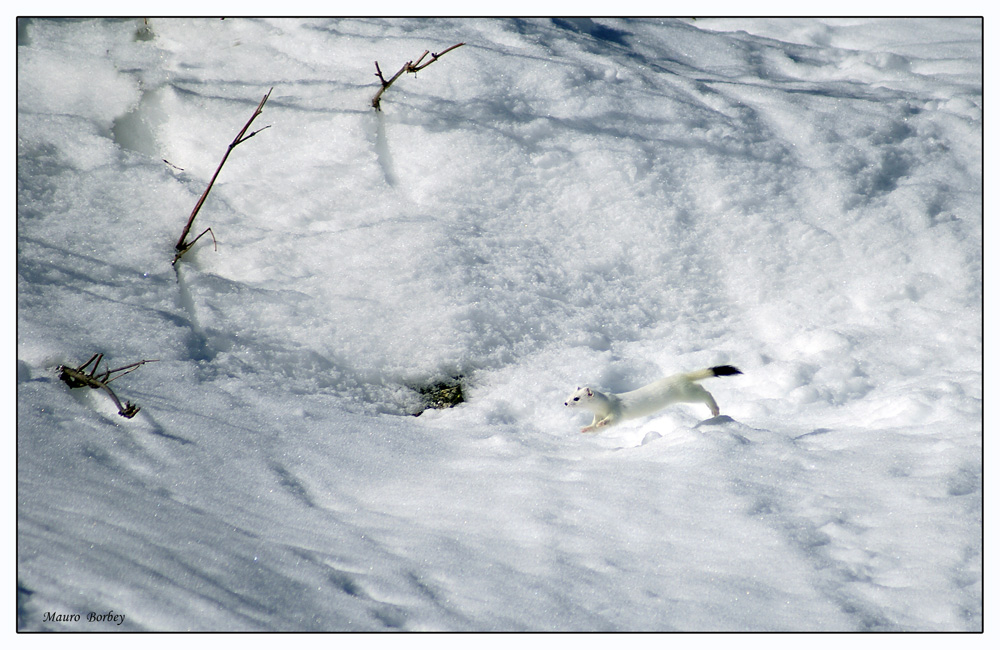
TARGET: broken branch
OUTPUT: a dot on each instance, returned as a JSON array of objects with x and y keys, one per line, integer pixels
[
  {"x": 183, "y": 246},
  {"x": 79, "y": 377}
]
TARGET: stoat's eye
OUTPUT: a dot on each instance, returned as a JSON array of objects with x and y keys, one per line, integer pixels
[{"x": 576, "y": 399}]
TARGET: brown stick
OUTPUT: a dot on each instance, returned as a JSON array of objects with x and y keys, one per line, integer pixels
[
  {"x": 409, "y": 66},
  {"x": 183, "y": 245}
]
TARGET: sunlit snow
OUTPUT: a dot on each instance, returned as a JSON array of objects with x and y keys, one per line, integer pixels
[{"x": 556, "y": 203}]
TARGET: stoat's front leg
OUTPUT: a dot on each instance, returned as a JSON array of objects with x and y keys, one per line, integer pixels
[{"x": 597, "y": 424}]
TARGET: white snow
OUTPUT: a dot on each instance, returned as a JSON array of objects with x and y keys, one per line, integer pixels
[{"x": 553, "y": 204}]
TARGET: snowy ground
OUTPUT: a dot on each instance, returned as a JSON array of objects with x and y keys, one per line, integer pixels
[{"x": 555, "y": 203}]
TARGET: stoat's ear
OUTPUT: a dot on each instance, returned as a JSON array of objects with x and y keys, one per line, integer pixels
[{"x": 590, "y": 393}]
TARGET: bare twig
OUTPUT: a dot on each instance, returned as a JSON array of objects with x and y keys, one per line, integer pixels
[
  {"x": 79, "y": 377},
  {"x": 376, "y": 100},
  {"x": 416, "y": 67},
  {"x": 206, "y": 230},
  {"x": 183, "y": 245},
  {"x": 124, "y": 370},
  {"x": 409, "y": 66}
]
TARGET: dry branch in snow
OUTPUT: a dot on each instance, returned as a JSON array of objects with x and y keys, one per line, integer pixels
[
  {"x": 79, "y": 377},
  {"x": 409, "y": 66},
  {"x": 183, "y": 245}
]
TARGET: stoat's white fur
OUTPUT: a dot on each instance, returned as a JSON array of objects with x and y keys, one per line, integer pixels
[{"x": 609, "y": 409}]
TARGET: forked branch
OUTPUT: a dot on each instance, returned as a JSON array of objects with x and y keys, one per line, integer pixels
[
  {"x": 183, "y": 245},
  {"x": 80, "y": 377},
  {"x": 409, "y": 66}
]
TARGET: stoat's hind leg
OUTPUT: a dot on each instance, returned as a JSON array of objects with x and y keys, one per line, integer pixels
[
  {"x": 697, "y": 393},
  {"x": 710, "y": 402}
]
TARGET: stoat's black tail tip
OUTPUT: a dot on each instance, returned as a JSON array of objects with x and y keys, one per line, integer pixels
[{"x": 726, "y": 370}]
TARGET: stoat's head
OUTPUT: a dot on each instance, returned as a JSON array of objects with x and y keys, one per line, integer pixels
[{"x": 579, "y": 397}]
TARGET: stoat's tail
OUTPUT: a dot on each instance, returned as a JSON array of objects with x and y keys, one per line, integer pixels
[{"x": 717, "y": 371}]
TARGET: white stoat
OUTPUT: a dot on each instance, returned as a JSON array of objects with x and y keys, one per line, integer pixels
[{"x": 611, "y": 408}]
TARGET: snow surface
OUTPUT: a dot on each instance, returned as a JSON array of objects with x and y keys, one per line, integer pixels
[{"x": 556, "y": 203}]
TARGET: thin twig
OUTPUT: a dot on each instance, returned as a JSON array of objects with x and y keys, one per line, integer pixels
[
  {"x": 409, "y": 66},
  {"x": 416, "y": 67},
  {"x": 385, "y": 84},
  {"x": 98, "y": 358},
  {"x": 194, "y": 241},
  {"x": 182, "y": 245},
  {"x": 132, "y": 367}
]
